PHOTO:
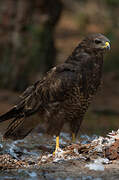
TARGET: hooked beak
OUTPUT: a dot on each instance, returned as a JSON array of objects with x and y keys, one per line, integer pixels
[{"x": 106, "y": 46}]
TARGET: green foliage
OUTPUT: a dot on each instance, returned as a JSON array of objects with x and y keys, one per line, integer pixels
[
  {"x": 112, "y": 63},
  {"x": 112, "y": 59},
  {"x": 112, "y": 2},
  {"x": 42, "y": 46}
]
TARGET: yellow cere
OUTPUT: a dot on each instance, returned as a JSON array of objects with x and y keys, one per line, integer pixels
[{"x": 107, "y": 44}]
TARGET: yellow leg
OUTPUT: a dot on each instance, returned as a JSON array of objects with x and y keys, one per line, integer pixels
[
  {"x": 57, "y": 144},
  {"x": 73, "y": 137}
]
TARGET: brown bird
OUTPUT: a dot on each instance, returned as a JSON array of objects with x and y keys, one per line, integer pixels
[{"x": 63, "y": 95}]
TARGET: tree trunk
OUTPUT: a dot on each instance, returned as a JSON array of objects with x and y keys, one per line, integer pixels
[{"x": 26, "y": 40}]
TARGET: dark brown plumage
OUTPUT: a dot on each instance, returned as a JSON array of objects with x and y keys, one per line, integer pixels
[{"x": 64, "y": 94}]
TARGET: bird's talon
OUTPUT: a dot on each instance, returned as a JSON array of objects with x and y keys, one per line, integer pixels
[
  {"x": 56, "y": 150},
  {"x": 54, "y": 153},
  {"x": 73, "y": 138},
  {"x": 57, "y": 145}
]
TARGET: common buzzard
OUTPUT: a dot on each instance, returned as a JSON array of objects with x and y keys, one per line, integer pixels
[{"x": 63, "y": 95}]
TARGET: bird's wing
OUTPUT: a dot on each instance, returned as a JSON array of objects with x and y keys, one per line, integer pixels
[{"x": 52, "y": 88}]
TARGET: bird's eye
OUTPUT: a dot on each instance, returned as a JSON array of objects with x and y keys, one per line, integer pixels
[{"x": 97, "y": 41}]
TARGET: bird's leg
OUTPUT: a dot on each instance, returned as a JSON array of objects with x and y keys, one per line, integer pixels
[
  {"x": 73, "y": 137},
  {"x": 57, "y": 142},
  {"x": 57, "y": 145}
]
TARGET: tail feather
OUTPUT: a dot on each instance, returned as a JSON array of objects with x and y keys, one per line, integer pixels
[
  {"x": 14, "y": 112},
  {"x": 18, "y": 129}
]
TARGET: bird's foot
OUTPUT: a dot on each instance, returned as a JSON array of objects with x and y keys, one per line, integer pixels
[
  {"x": 56, "y": 151},
  {"x": 73, "y": 138},
  {"x": 57, "y": 145}
]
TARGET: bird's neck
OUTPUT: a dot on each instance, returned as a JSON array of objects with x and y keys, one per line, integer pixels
[{"x": 82, "y": 55}]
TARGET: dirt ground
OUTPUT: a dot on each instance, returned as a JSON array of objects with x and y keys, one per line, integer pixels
[
  {"x": 32, "y": 159},
  {"x": 75, "y": 169}
]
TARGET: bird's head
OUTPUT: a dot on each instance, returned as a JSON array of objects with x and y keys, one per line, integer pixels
[{"x": 97, "y": 42}]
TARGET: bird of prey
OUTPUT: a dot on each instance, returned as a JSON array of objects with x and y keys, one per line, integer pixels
[{"x": 63, "y": 94}]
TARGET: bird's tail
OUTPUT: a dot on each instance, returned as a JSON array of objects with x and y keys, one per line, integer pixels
[
  {"x": 12, "y": 113},
  {"x": 17, "y": 129}
]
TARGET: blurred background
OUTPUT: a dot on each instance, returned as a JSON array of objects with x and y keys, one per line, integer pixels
[{"x": 36, "y": 35}]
